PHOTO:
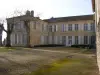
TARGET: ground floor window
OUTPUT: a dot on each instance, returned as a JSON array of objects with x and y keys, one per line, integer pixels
[
  {"x": 64, "y": 40},
  {"x": 85, "y": 39},
  {"x": 92, "y": 40},
  {"x": 76, "y": 40},
  {"x": 70, "y": 40}
]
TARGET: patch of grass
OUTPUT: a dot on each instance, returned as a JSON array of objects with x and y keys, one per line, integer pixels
[
  {"x": 6, "y": 49},
  {"x": 67, "y": 66},
  {"x": 88, "y": 51}
]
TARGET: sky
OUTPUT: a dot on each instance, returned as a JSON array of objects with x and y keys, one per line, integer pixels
[{"x": 45, "y": 8}]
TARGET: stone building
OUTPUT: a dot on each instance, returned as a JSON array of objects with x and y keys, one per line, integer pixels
[
  {"x": 74, "y": 30},
  {"x": 96, "y": 10}
]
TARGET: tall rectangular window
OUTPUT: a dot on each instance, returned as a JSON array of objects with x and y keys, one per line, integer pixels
[
  {"x": 92, "y": 40},
  {"x": 64, "y": 40},
  {"x": 76, "y": 27},
  {"x": 44, "y": 27},
  {"x": 69, "y": 39},
  {"x": 70, "y": 27},
  {"x": 76, "y": 40},
  {"x": 92, "y": 27},
  {"x": 63, "y": 28},
  {"x": 55, "y": 28},
  {"x": 85, "y": 27},
  {"x": 85, "y": 39},
  {"x": 50, "y": 28}
]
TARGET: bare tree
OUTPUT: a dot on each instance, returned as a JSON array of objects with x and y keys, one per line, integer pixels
[
  {"x": 11, "y": 25},
  {"x": 9, "y": 29},
  {"x": 27, "y": 27}
]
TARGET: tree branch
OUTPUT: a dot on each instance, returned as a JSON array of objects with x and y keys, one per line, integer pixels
[{"x": 2, "y": 27}]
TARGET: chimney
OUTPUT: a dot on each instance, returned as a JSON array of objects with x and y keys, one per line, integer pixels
[
  {"x": 32, "y": 13},
  {"x": 28, "y": 13}
]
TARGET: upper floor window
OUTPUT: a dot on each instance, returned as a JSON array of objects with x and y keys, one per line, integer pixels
[
  {"x": 55, "y": 28},
  {"x": 85, "y": 27},
  {"x": 76, "y": 26},
  {"x": 50, "y": 28},
  {"x": 17, "y": 26},
  {"x": 63, "y": 28},
  {"x": 92, "y": 27},
  {"x": 70, "y": 27}
]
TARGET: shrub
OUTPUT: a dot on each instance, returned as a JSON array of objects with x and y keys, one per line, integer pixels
[{"x": 49, "y": 45}]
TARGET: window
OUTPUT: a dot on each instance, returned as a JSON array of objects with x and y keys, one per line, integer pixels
[
  {"x": 69, "y": 39},
  {"x": 63, "y": 28},
  {"x": 64, "y": 40},
  {"x": 50, "y": 28},
  {"x": 92, "y": 40},
  {"x": 85, "y": 27},
  {"x": 24, "y": 38},
  {"x": 55, "y": 28},
  {"x": 85, "y": 39},
  {"x": 92, "y": 27},
  {"x": 44, "y": 27},
  {"x": 70, "y": 27},
  {"x": 76, "y": 27},
  {"x": 76, "y": 40},
  {"x": 46, "y": 39}
]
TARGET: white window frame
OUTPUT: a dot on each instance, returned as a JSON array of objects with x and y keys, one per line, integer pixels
[
  {"x": 85, "y": 27},
  {"x": 76, "y": 27},
  {"x": 70, "y": 27}
]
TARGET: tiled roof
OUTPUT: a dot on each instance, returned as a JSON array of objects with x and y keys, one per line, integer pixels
[{"x": 71, "y": 18}]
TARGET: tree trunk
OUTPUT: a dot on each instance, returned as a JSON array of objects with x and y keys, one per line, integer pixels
[
  {"x": 8, "y": 42},
  {"x": 28, "y": 33},
  {"x": 28, "y": 39}
]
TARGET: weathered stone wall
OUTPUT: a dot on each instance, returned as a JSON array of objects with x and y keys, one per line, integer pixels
[{"x": 97, "y": 22}]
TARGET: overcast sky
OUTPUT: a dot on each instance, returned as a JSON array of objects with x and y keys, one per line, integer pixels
[{"x": 46, "y": 8}]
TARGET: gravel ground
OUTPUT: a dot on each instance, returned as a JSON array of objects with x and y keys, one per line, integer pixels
[{"x": 22, "y": 61}]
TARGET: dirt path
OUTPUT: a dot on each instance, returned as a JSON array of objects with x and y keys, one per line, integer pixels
[{"x": 55, "y": 51}]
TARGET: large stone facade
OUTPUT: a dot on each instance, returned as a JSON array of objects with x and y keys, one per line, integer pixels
[{"x": 66, "y": 30}]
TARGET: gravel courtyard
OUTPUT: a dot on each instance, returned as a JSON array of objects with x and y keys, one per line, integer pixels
[{"x": 17, "y": 62}]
